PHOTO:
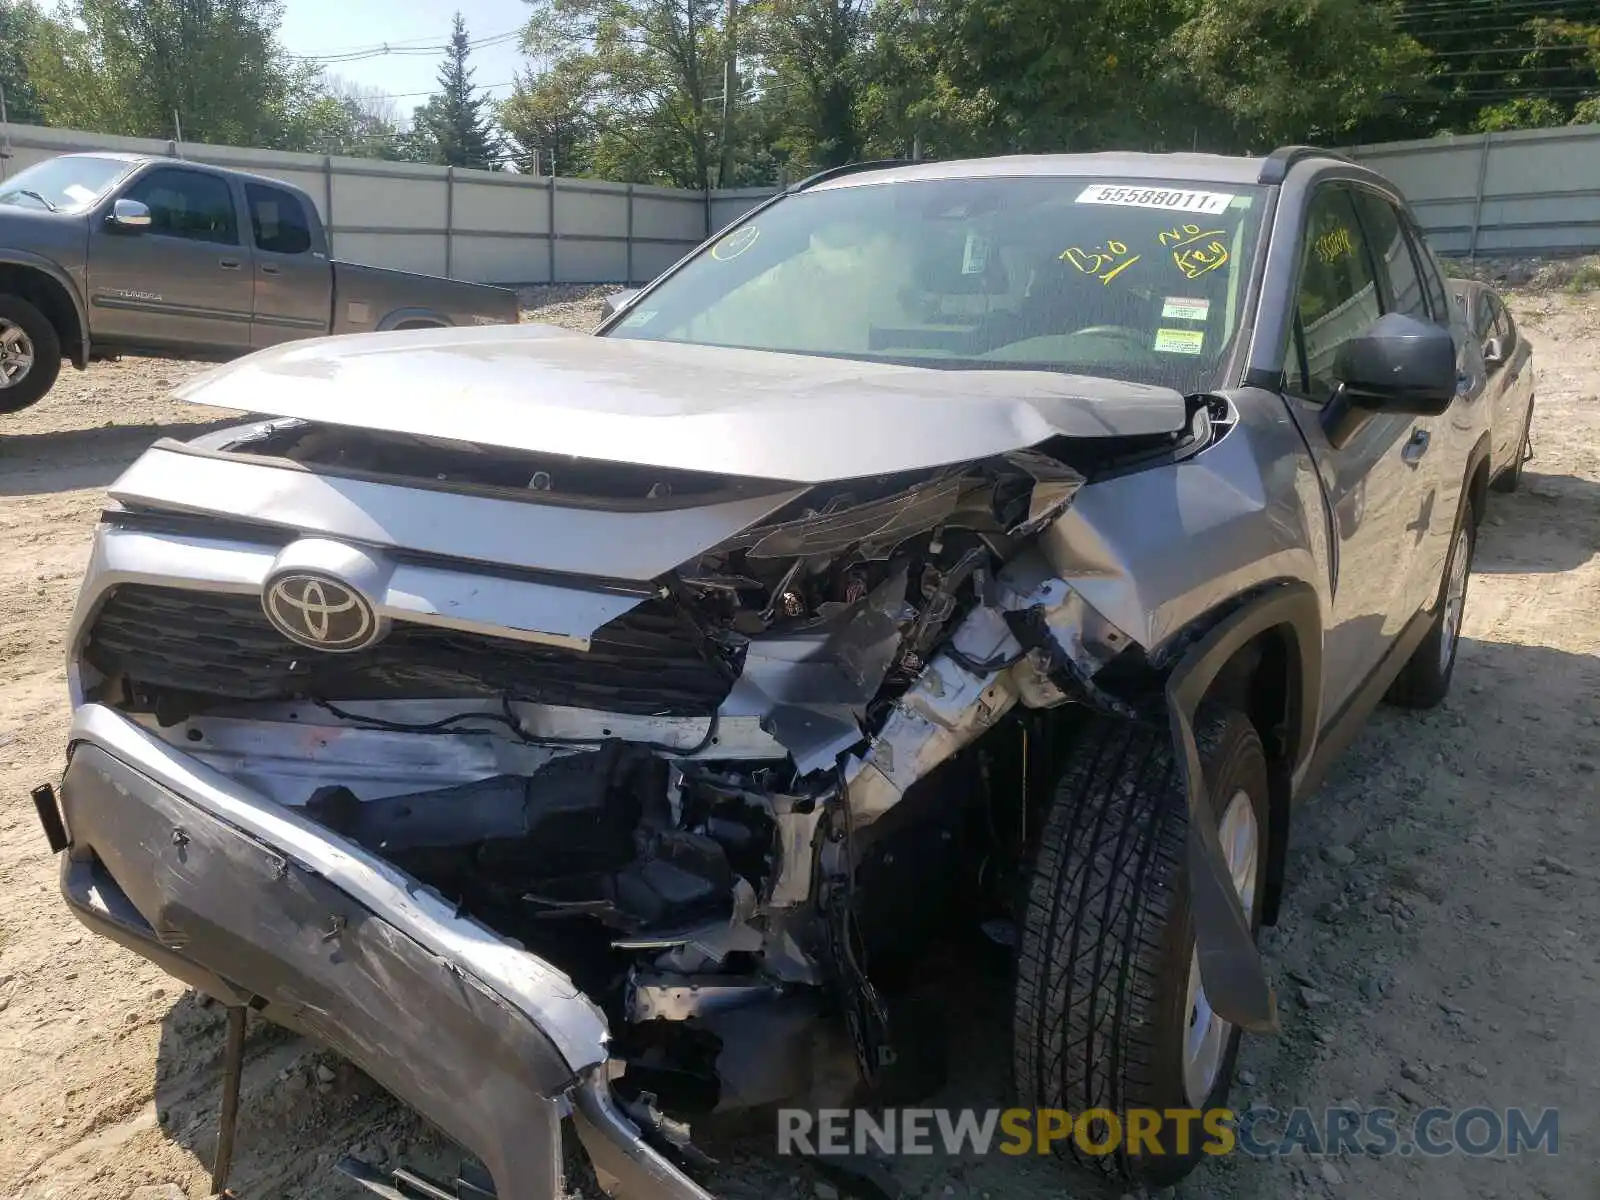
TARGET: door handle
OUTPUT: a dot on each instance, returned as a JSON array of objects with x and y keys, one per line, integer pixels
[
  {"x": 269, "y": 268},
  {"x": 1416, "y": 447},
  {"x": 228, "y": 264}
]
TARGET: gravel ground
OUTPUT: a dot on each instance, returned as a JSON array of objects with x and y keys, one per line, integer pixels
[{"x": 1437, "y": 944}]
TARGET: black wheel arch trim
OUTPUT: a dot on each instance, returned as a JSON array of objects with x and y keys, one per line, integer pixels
[
  {"x": 1230, "y": 964},
  {"x": 53, "y": 272}
]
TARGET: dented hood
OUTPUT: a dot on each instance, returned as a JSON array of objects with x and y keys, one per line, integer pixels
[{"x": 790, "y": 417}]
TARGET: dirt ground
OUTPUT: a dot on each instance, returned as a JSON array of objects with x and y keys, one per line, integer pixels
[{"x": 1438, "y": 944}]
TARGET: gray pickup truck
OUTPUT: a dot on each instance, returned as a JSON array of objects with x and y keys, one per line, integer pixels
[{"x": 106, "y": 254}]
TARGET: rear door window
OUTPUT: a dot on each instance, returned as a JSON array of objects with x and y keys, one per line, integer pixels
[
  {"x": 278, "y": 220},
  {"x": 1431, "y": 279},
  {"x": 1403, "y": 286}
]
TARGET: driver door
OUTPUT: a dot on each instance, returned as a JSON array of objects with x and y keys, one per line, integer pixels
[
  {"x": 1369, "y": 476},
  {"x": 183, "y": 283}
]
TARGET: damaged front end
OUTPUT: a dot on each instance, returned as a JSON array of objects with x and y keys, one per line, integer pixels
[{"x": 525, "y": 836}]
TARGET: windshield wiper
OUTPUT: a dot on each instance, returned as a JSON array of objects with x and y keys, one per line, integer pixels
[{"x": 32, "y": 195}]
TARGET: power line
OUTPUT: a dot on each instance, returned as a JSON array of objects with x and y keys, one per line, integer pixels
[
  {"x": 435, "y": 91},
  {"x": 1476, "y": 31},
  {"x": 384, "y": 49},
  {"x": 1434, "y": 8},
  {"x": 1565, "y": 49}
]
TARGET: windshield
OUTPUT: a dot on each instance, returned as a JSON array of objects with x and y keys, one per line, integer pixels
[
  {"x": 62, "y": 184},
  {"x": 1141, "y": 280}
]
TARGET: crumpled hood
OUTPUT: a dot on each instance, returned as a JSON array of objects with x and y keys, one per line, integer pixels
[{"x": 795, "y": 418}]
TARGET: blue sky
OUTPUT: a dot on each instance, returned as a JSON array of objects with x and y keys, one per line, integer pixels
[{"x": 323, "y": 27}]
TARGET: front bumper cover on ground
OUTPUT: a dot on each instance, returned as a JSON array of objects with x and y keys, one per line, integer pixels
[{"x": 182, "y": 866}]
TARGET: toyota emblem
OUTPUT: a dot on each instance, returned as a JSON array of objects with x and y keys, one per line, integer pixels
[{"x": 320, "y": 611}]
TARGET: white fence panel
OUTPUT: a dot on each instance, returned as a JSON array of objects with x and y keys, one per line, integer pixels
[{"x": 1526, "y": 191}]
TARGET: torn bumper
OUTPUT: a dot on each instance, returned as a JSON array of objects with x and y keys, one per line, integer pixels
[{"x": 249, "y": 902}]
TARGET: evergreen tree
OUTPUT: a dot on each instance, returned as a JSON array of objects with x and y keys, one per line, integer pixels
[{"x": 453, "y": 126}]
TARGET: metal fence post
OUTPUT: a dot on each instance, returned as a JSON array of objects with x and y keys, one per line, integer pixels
[
  {"x": 550, "y": 242},
  {"x": 327, "y": 200},
  {"x": 1477, "y": 204},
  {"x": 449, "y": 221},
  {"x": 629, "y": 279}
]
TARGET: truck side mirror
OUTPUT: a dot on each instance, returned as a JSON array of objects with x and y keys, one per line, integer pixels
[{"x": 129, "y": 214}]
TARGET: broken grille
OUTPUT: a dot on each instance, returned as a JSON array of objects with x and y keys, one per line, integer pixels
[{"x": 653, "y": 660}]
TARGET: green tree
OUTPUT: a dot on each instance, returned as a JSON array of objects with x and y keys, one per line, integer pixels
[
  {"x": 1281, "y": 71},
  {"x": 1496, "y": 64},
  {"x": 549, "y": 118},
  {"x": 335, "y": 116},
  {"x": 20, "y": 24},
  {"x": 815, "y": 51},
  {"x": 128, "y": 66},
  {"x": 653, "y": 66},
  {"x": 453, "y": 126}
]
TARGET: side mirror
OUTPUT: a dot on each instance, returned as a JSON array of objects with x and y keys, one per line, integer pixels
[
  {"x": 1398, "y": 365},
  {"x": 1493, "y": 353},
  {"x": 617, "y": 301},
  {"x": 129, "y": 214}
]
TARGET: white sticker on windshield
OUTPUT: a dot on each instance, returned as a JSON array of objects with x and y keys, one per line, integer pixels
[
  {"x": 80, "y": 193},
  {"x": 1180, "y": 341},
  {"x": 1180, "y": 308},
  {"x": 976, "y": 256},
  {"x": 643, "y": 317},
  {"x": 1177, "y": 199}
]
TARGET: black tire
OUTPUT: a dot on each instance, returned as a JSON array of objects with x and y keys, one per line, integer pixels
[
  {"x": 1424, "y": 681},
  {"x": 1510, "y": 479},
  {"x": 1107, "y": 939},
  {"x": 41, "y": 377}
]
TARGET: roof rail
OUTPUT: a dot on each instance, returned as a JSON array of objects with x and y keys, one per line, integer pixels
[
  {"x": 877, "y": 164},
  {"x": 1278, "y": 163}
]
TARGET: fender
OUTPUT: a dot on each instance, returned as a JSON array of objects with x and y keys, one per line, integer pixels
[
  {"x": 1230, "y": 965},
  {"x": 45, "y": 266},
  {"x": 401, "y": 315}
]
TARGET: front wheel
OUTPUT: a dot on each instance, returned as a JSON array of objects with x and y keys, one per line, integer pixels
[
  {"x": 30, "y": 354},
  {"x": 1110, "y": 1010}
]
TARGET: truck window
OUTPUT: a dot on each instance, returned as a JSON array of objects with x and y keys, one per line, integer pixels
[
  {"x": 188, "y": 204},
  {"x": 1338, "y": 296},
  {"x": 278, "y": 219}
]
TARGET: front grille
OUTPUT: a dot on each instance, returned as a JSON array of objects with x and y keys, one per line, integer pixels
[{"x": 652, "y": 660}]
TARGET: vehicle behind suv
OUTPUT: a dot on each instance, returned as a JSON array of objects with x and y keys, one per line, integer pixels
[
  {"x": 610, "y": 725},
  {"x": 107, "y": 254}
]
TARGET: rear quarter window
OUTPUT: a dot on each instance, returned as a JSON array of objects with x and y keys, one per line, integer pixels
[{"x": 278, "y": 220}]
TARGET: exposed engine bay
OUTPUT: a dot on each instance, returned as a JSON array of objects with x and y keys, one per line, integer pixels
[{"x": 747, "y": 803}]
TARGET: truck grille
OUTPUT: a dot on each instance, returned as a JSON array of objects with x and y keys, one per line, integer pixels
[{"x": 652, "y": 660}]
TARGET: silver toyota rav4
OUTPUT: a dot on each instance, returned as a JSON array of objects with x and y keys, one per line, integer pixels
[{"x": 604, "y": 728}]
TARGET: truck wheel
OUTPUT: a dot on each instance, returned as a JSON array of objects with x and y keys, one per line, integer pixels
[
  {"x": 1110, "y": 1012},
  {"x": 1425, "y": 679},
  {"x": 30, "y": 354}
]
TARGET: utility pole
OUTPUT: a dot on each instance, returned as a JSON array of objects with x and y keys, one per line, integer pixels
[{"x": 730, "y": 88}]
